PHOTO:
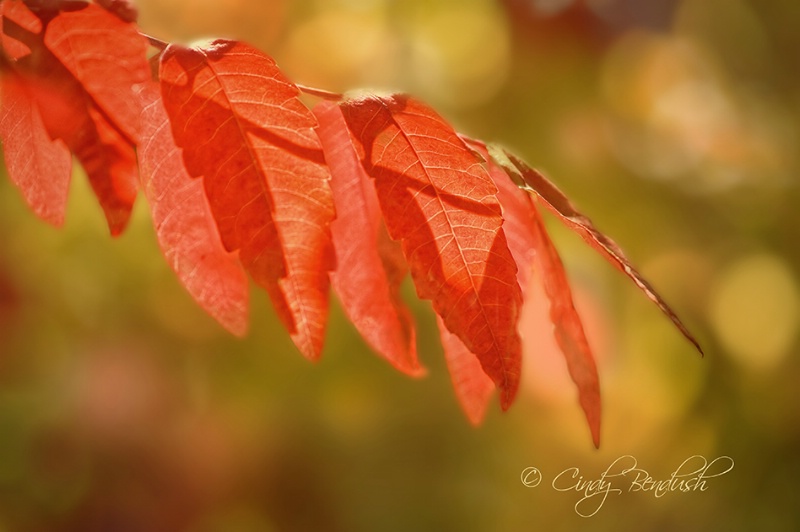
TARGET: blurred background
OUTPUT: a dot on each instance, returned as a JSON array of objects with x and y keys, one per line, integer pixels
[{"x": 672, "y": 123}]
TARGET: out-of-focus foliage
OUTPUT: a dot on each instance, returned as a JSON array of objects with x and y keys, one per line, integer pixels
[{"x": 673, "y": 123}]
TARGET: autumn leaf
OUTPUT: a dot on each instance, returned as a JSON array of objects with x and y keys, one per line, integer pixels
[
  {"x": 531, "y": 245},
  {"x": 439, "y": 201},
  {"x": 369, "y": 295},
  {"x": 537, "y": 258},
  {"x": 108, "y": 57},
  {"x": 568, "y": 328},
  {"x": 184, "y": 226},
  {"x": 243, "y": 130},
  {"x": 39, "y": 166},
  {"x": 473, "y": 387},
  {"x": 68, "y": 110},
  {"x": 560, "y": 205}
]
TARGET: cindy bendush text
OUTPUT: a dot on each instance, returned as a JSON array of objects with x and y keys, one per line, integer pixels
[{"x": 625, "y": 475}]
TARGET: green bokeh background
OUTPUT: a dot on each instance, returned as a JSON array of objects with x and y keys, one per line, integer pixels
[{"x": 674, "y": 124}]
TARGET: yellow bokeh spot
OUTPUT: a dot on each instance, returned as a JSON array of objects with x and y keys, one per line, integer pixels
[
  {"x": 461, "y": 54},
  {"x": 755, "y": 309}
]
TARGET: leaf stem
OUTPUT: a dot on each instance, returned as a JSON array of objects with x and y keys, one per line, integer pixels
[
  {"x": 156, "y": 43},
  {"x": 321, "y": 93}
]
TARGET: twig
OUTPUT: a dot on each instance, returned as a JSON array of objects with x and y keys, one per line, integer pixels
[
  {"x": 157, "y": 43},
  {"x": 321, "y": 93}
]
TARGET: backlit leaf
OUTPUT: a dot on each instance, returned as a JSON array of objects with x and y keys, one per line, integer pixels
[
  {"x": 243, "y": 129},
  {"x": 39, "y": 166},
  {"x": 538, "y": 260},
  {"x": 185, "y": 229},
  {"x": 440, "y": 202},
  {"x": 369, "y": 295},
  {"x": 70, "y": 114},
  {"x": 473, "y": 387},
  {"x": 108, "y": 57},
  {"x": 559, "y": 204}
]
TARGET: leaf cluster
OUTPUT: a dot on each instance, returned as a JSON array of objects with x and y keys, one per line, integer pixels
[{"x": 244, "y": 180}]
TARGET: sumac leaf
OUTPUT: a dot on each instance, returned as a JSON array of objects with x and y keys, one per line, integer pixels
[
  {"x": 39, "y": 166},
  {"x": 184, "y": 226},
  {"x": 560, "y": 205},
  {"x": 440, "y": 202},
  {"x": 69, "y": 113},
  {"x": 369, "y": 295},
  {"x": 472, "y": 386},
  {"x": 243, "y": 129}
]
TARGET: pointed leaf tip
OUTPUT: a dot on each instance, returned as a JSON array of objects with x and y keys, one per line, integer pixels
[
  {"x": 557, "y": 202},
  {"x": 473, "y": 387}
]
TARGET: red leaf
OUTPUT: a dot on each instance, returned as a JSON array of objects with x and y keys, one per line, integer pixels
[
  {"x": 568, "y": 328},
  {"x": 534, "y": 252},
  {"x": 473, "y": 387},
  {"x": 369, "y": 297},
  {"x": 242, "y": 128},
  {"x": 69, "y": 114},
  {"x": 39, "y": 166},
  {"x": 17, "y": 14},
  {"x": 559, "y": 204},
  {"x": 185, "y": 229},
  {"x": 108, "y": 57},
  {"x": 441, "y": 203}
]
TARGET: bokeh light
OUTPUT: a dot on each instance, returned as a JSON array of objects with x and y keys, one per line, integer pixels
[{"x": 755, "y": 311}]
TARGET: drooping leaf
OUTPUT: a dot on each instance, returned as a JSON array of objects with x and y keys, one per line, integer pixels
[
  {"x": 369, "y": 295},
  {"x": 243, "y": 129},
  {"x": 568, "y": 328},
  {"x": 108, "y": 57},
  {"x": 473, "y": 387},
  {"x": 39, "y": 166},
  {"x": 185, "y": 229},
  {"x": 69, "y": 113},
  {"x": 560, "y": 205},
  {"x": 441, "y": 204},
  {"x": 537, "y": 258}
]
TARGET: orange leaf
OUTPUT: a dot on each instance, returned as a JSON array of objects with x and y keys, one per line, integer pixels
[
  {"x": 185, "y": 229},
  {"x": 473, "y": 387},
  {"x": 39, "y": 166},
  {"x": 369, "y": 297},
  {"x": 568, "y": 328},
  {"x": 441, "y": 203},
  {"x": 559, "y": 204},
  {"x": 108, "y": 57},
  {"x": 243, "y": 129},
  {"x": 68, "y": 113},
  {"x": 534, "y": 252}
]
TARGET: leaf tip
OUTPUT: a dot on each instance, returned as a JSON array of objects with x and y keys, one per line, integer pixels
[{"x": 507, "y": 396}]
